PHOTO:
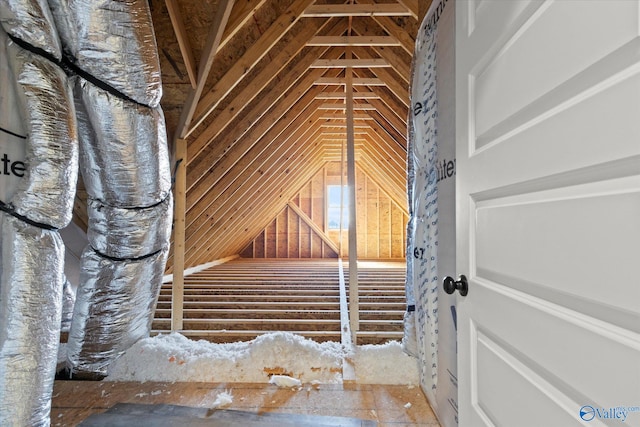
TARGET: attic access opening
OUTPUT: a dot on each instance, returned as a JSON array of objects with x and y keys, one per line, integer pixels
[{"x": 337, "y": 206}]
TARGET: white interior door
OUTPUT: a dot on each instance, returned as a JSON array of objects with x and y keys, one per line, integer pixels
[{"x": 548, "y": 212}]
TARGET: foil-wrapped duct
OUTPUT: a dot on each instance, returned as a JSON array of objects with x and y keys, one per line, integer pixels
[
  {"x": 114, "y": 309},
  {"x": 68, "y": 301},
  {"x": 31, "y": 21},
  {"x": 125, "y": 168},
  {"x": 123, "y": 148},
  {"x": 112, "y": 41},
  {"x": 45, "y": 194},
  {"x": 129, "y": 233},
  {"x": 30, "y": 310}
]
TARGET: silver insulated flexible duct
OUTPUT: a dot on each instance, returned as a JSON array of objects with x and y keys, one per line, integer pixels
[
  {"x": 37, "y": 91},
  {"x": 114, "y": 42},
  {"x": 112, "y": 310},
  {"x": 46, "y": 193},
  {"x": 105, "y": 51},
  {"x": 30, "y": 314},
  {"x": 124, "y": 163}
]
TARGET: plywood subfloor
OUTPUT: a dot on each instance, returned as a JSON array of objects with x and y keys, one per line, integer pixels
[
  {"x": 135, "y": 414},
  {"x": 390, "y": 406}
]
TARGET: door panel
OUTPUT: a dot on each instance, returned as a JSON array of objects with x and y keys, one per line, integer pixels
[
  {"x": 513, "y": 235},
  {"x": 505, "y": 373},
  {"x": 548, "y": 211},
  {"x": 558, "y": 346},
  {"x": 521, "y": 72}
]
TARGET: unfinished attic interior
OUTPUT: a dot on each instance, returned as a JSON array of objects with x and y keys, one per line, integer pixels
[
  {"x": 153, "y": 201},
  {"x": 282, "y": 148},
  {"x": 260, "y": 108},
  {"x": 255, "y": 102}
]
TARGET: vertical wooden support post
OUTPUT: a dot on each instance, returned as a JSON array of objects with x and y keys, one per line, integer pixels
[
  {"x": 180, "y": 199},
  {"x": 341, "y": 226},
  {"x": 346, "y": 335},
  {"x": 354, "y": 314}
]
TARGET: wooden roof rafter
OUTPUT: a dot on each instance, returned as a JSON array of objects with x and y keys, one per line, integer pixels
[
  {"x": 282, "y": 109},
  {"x": 260, "y": 145},
  {"x": 210, "y": 50},
  {"x": 391, "y": 85},
  {"x": 353, "y": 9},
  {"x": 333, "y": 41},
  {"x": 246, "y": 97},
  {"x": 270, "y": 193},
  {"x": 249, "y": 59},
  {"x": 225, "y": 206},
  {"x": 298, "y": 130},
  {"x": 384, "y": 187},
  {"x": 266, "y": 118},
  {"x": 180, "y": 31}
]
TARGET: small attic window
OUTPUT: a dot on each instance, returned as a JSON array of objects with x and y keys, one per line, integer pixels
[{"x": 333, "y": 207}]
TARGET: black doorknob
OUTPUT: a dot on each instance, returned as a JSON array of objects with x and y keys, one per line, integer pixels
[{"x": 451, "y": 285}]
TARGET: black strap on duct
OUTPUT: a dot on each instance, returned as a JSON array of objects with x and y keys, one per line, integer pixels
[
  {"x": 70, "y": 68},
  {"x": 9, "y": 209}
]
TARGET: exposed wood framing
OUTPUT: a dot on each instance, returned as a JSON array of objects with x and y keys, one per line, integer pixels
[
  {"x": 183, "y": 41},
  {"x": 267, "y": 121},
  {"x": 334, "y": 116},
  {"x": 250, "y": 58},
  {"x": 355, "y": 63},
  {"x": 177, "y": 295},
  {"x": 313, "y": 226},
  {"x": 362, "y": 107},
  {"x": 210, "y": 50},
  {"x": 423, "y": 9},
  {"x": 348, "y": 339},
  {"x": 341, "y": 95},
  {"x": 412, "y": 6},
  {"x": 353, "y": 41},
  {"x": 354, "y": 309},
  {"x": 241, "y": 13},
  {"x": 220, "y": 318},
  {"x": 332, "y": 10},
  {"x": 245, "y": 97},
  {"x": 339, "y": 81}
]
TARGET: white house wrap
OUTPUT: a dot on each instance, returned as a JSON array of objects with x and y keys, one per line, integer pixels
[
  {"x": 422, "y": 255},
  {"x": 431, "y": 227},
  {"x": 409, "y": 338}
]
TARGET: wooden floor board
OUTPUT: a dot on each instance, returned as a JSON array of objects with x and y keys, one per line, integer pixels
[
  {"x": 130, "y": 414},
  {"x": 286, "y": 295},
  {"x": 388, "y": 405}
]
